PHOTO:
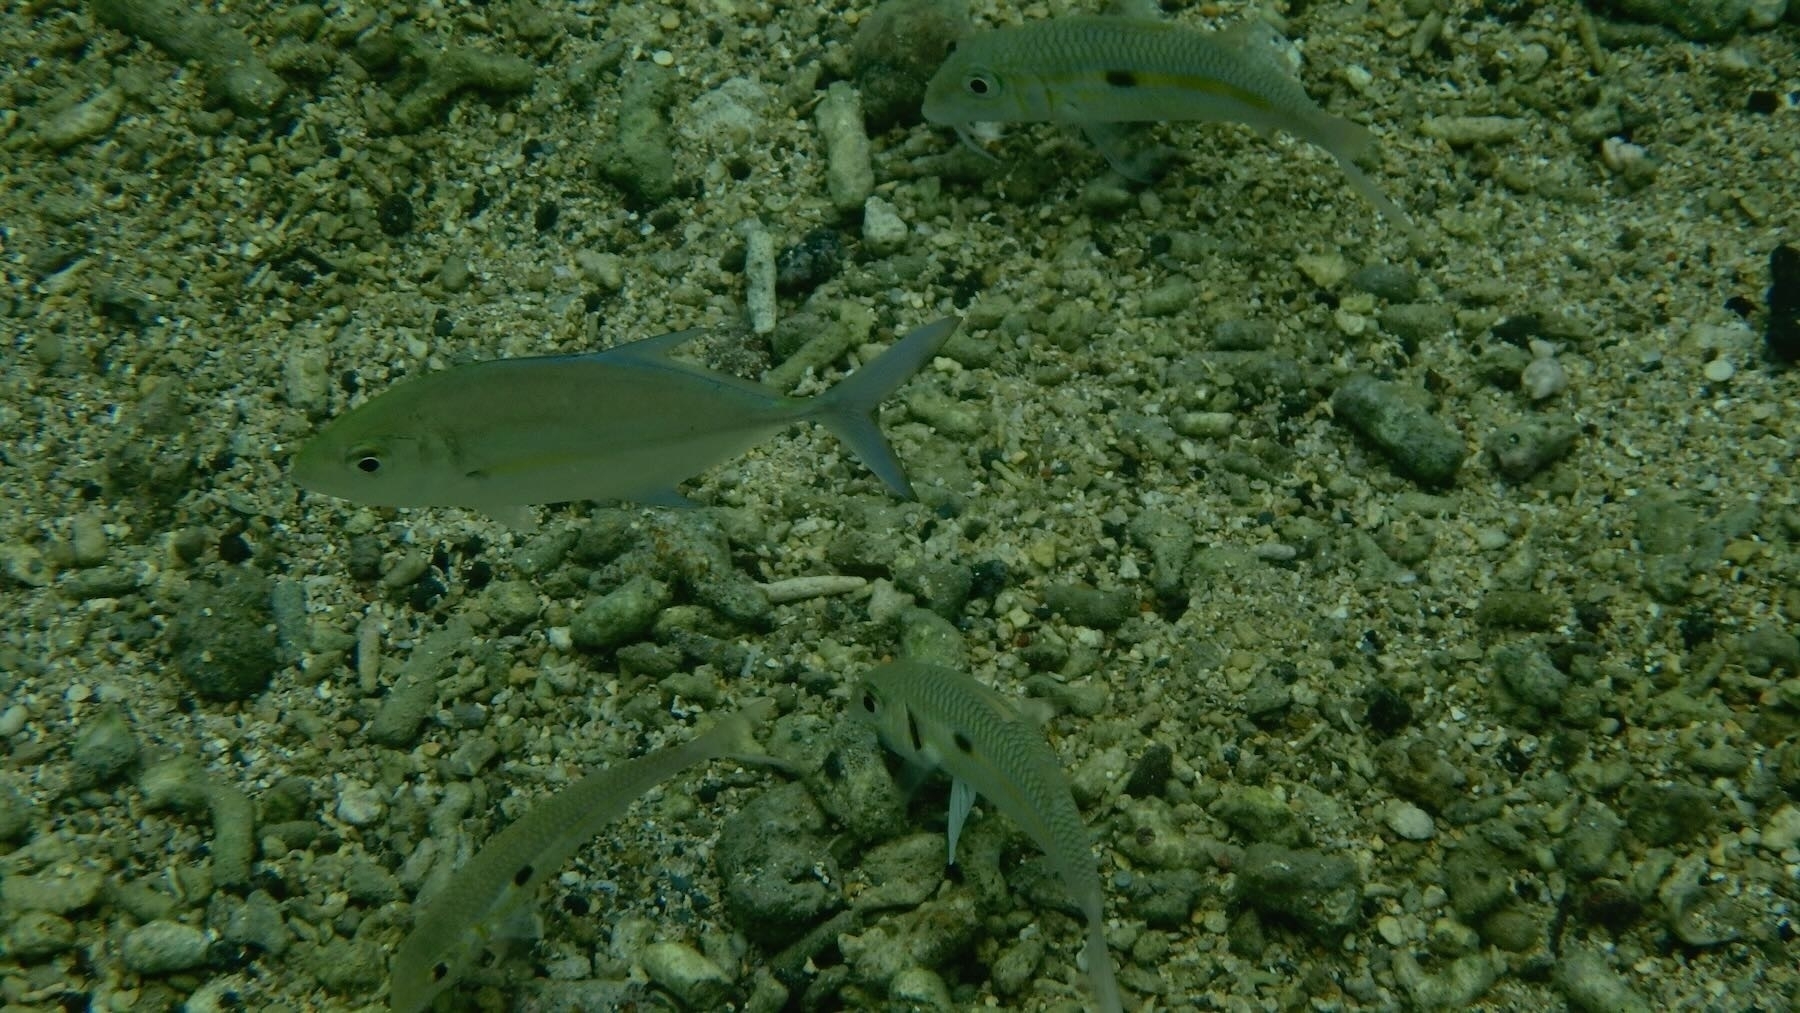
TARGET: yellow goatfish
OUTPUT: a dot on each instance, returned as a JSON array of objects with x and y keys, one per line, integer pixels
[
  {"x": 486, "y": 898},
  {"x": 1097, "y": 72},
  {"x": 627, "y": 423},
  {"x": 940, "y": 718}
]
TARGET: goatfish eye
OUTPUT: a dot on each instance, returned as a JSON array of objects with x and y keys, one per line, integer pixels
[{"x": 981, "y": 84}]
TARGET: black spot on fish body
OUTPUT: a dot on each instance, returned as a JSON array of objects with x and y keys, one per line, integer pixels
[
  {"x": 440, "y": 971},
  {"x": 963, "y": 744},
  {"x": 912, "y": 733},
  {"x": 1122, "y": 78},
  {"x": 523, "y": 876}
]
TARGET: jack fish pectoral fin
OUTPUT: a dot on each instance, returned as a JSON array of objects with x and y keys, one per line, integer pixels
[{"x": 848, "y": 409}]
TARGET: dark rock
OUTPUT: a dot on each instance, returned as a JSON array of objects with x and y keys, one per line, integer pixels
[{"x": 223, "y": 637}]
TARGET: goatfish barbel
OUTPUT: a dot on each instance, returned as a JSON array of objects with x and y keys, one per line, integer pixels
[
  {"x": 627, "y": 423},
  {"x": 485, "y": 899},
  {"x": 938, "y": 718},
  {"x": 1098, "y": 72}
]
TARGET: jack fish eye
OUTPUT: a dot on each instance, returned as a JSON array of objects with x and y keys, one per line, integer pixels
[{"x": 367, "y": 460}]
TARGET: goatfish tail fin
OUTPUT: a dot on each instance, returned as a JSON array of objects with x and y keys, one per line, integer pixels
[
  {"x": 733, "y": 737},
  {"x": 848, "y": 409}
]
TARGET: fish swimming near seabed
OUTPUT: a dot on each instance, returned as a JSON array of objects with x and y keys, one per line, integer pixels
[
  {"x": 939, "y": 718},
  {"x": 1097, "y": 72},
  {"x": 627, "y": 423},
  {"x": 484, "y": 901}
]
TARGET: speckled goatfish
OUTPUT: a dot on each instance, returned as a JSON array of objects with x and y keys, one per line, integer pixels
[
  {"x": 1098, "y": 72},
  {"x": 939, "y": 718},
  {"x": 488, "y": 901},
  {"x": 627, "y": 423}
]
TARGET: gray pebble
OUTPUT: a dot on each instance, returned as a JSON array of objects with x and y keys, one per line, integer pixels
[
  {"x": 1456, "y": 986},
  {"x": 350, "y": 965},
  {"x": 161, "y": 947},
  {"x": 232, "y": 69},
  {"x": 1416, "y": 323},
  {"x": 1169, "y": 539},
  {"x": 620, "y": 615},
  {"x": 920, "y": 988},
  {"x": 34, "y": 935},
  {"x": 939, "y": 585},
  {"x": 1238, "y": 335},
  {"x": 24, "y": 565},
  {"x": 104, "y": 582},
  {"x": 1260, "y": 817},
  {"x": 846, "y": 771},
  {"x": 1393, "y": 418},
  {"x": 883, "y": 230},
  {"x": 256, "y": 922},
  {"x": 604, "y": 270},
  {"x": 222, "y": 637},
  {"x": 926, "y": 936},
  {"x": 849, "y": 176},
  {"x": 1766, "y": 650},
  {"x": 370, "y": 882},
  {"x": 450, "y": 70},
  {"x": 928, "y": 637},
  {"x": 87, "y": 540},
  {"x": 475, "y": 754},
  {"x": 306, "y": 377},
  {"x": 686, "y": 972},
  {"x": 545, "y": 551},
  {"x": 360, "y": 805},
  {"x": 641, "y": 160},
  {"x": 759, "y": 278},
  {"x": 1664, "y": 814},
  {"x": 776, "y": 862},
  {"x": 1409, "y": 821},
  {"x": 1587, "y": 849},
  {"x": 1467, "y": 131},
  {"x": 1523, "y": 449},
  {"x": 1018, "y": 964},
  {"x": 1477, "y": 878},
  {"x": 1529, "y": 675},
  {"x": 234, "y": 835},
  {"x": 454, "y": 274},
  {"x": 903, "y": 872},
  {"x": 15, "y": 814},
  {"x": 1700, "y": 20},
  {"x": 1591, "y": 985},
  {"x": 178, "y": 783},
  {"x": 58, "y": 890},
  {"x": 512, "y": 604},
  {"x": 1169, "y": 298},
  {"x": 414, "y": 689},
  {"x": 1083, "y": 605},
  {"x": 1387, "y": 281},
  {"x": 105, "y": 747},
  {"x": 83, "y": 121},
  {"x": 1319, "y": 891}
]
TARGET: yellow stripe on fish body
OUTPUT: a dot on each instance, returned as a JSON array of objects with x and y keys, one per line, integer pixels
[
  {"x": 938, "y": 717},
  {"x": 1092, "y": 71}
]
